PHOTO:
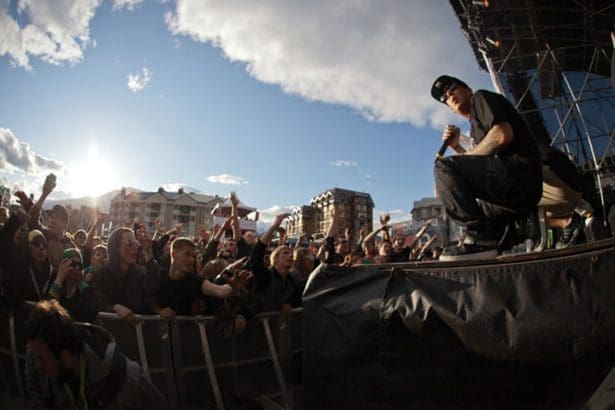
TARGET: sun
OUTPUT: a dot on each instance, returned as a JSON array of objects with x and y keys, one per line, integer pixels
[{"x": 92, "y": 176}]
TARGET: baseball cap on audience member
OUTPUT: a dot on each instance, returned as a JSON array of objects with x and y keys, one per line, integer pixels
[
  {"x": 442, "y": 84},
  {"x": 34, "y": 234},
  {"x": 70, "y": 252}
]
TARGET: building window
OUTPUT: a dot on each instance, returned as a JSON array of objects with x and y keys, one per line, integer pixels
[{"x": 184, "y": 209}]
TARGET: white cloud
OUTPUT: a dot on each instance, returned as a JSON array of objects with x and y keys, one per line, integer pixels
[
  {"x": 227, "y": 179},
  {"x": 55, "y": 31},
  {"x": 175, "y": 186},
  {"x": 137, "y": 81},
  {"x": 18, "y": 155},
  {"x": 343, "y": 163},
  {"x": 128, "y": 4},
  {"x": 377, "y": 57},
  {"x": 267, "y": 215}
]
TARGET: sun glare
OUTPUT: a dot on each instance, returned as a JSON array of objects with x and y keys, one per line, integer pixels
[{"x": 91, "y": 176}]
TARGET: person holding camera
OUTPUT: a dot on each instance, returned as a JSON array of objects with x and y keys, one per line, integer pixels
[
  {"x": 71, "y": 289},
  {"x": 499, "y": 178}
]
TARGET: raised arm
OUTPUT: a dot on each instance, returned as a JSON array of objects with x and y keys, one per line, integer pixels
[
  {"x": 420, "y": 233},
  {"x": 35, "y": 210},
  {"x": 220, "y": 232},
  {"x": 268, "y": 235},
  {"x": 235, "y": 217}
]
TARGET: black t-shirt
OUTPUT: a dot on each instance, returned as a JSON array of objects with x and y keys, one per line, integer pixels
[
  {"x": 488, "y": 109},
  {"x": 402, "y": 256},
  {"x": 180, "y": 295}
]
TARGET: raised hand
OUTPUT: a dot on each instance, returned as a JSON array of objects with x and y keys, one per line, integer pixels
[
  {"x": 279, "y": 218},
  {"x": 239, "y": 279},
  {"x": 384, "y": 219},
  {"x": 23, "y": 200},
  {"x": 49, "y": 185},
  {"x": 234, "y": 199}
]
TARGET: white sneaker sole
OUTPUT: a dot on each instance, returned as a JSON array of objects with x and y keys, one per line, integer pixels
[{"x": 487, "y": 254}]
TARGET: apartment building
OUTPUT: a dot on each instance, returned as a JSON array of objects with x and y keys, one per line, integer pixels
[
  {"x": 188, "y": 208},
  {"x": 354, "y": 211}
]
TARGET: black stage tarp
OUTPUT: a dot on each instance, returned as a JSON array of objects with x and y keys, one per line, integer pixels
[{"x": 535, "y": 332}]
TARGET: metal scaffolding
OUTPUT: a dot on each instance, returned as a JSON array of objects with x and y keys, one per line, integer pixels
[{"x": 553, "y": 60}]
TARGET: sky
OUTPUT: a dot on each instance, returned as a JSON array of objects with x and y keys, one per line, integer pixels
[{"x": 276, "y": 100}]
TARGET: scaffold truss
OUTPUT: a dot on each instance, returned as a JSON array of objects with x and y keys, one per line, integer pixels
[{"x": 553, "y": 59}]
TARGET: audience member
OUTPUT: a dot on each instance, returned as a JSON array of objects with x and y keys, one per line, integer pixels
[
  {"x": 79, "y": 366},
  {"x": 246, "y": 240},
  {"x": 71, "y": 289},
  {"x": 55, "y": 232},
  {"x": 123, "y": 286},
  {"x": 29, "y": 272},
  {"x": 273, "y": 287},
  {"x": 100, "y": 257},
  {"x": 336, "y": 249},
  {"x": 402, "y": 252},
  {"x": 181, "y": 287}
]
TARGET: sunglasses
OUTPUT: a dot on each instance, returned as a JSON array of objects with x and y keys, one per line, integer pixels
[
  {"x": 76, "y": 264},
  {"x": 131, "y": 242},
  {"x": 451, "y": 87}
]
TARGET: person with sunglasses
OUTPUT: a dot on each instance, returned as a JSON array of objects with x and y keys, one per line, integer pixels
[
  {"x": 71, "y": 289},
  {"x": 485, "y": 187},
  {"x": 124, "y": 286}
]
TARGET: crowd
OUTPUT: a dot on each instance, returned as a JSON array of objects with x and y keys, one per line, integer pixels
[{"x": 225, "y": 272}]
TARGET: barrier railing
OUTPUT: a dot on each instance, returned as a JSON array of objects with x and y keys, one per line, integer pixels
[{"x": 184, "y": 356}]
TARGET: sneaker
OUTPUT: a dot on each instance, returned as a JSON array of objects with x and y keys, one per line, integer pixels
[
  {"x": 573, "y": 233},
  {"x": 468, "y": 252}
]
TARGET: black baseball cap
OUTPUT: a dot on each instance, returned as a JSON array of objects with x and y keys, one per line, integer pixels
[{"x": 442, "y": 83}]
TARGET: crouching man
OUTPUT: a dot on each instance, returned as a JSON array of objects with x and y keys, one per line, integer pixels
[{"x": 70, "y": 365}]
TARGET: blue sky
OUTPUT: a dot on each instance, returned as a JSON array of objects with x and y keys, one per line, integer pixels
[{"x": 275, "y": 100}]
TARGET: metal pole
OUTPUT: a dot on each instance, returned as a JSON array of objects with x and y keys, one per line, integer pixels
[
  {"x": 587, "y": 136},
  {"x": 210, "y": 366},
  {"x": 14, "y": 353},
  {"x": 142, "y": 354},
  {"x": 492, "y": 73},
  {"x": 276, "y": 363}
]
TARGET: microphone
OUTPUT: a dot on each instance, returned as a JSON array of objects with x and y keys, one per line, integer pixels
[{"x": 444, "y": 145}]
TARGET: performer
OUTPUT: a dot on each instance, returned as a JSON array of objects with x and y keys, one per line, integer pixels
[{"x": 499, "y": 178}]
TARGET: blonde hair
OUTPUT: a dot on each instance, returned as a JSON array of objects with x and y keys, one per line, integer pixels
[{"x": 276, "y": 252}]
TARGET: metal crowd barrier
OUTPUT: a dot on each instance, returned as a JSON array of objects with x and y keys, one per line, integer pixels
[{"x": 188, "y": 359}]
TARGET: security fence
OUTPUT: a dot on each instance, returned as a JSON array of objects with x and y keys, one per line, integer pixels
[{"x": 189, "y": 360}]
